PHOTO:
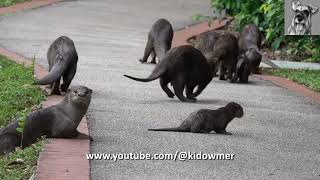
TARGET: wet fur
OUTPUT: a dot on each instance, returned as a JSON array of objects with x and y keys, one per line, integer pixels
[
  {"x": 57, "y": 121},
  {"x": 159, "y": 40},
  {"x": 206, "y": 120},
  {"x": 183, "y": 67},
  {"x": 62, "y": 58}
]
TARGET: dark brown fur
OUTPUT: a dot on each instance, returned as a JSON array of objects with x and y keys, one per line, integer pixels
[
  {"x": 249, "y": 44},
  {"x": 183, "y": 67},
  {"x": 243, "y": 69},
  {"x": 58, "y": 121},
  {"x": 159, "y": 40},
  {"x": 62, "y": 58},
  {"x": 207, "y": 120},
  {"x": 225, "y": 54}
]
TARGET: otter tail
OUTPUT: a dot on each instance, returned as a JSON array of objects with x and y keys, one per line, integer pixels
[
  {"x": 54, "y": 75},
  {"x": 176, "y": 129},
  {"x": 156, "y": 73}
]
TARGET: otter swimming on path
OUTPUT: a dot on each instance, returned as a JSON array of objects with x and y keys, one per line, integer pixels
[
  {"x": 206, "y": 120},
  {"x": 183, "y": 67},
  {"x": 159, "y": 40},
  {"x": 62, "y": 58},
  {"x": 58, "y": 121}
]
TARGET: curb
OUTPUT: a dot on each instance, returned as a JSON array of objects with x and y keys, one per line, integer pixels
[
  {"x": 292, "y": 86},
  {"x": 27, "y": 5}
]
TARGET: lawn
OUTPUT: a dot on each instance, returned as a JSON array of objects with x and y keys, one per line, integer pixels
[
  {"x": 309, "y": 78},
  {"x": 4, "y": 3},
  {"x": 18, "y": 95}
]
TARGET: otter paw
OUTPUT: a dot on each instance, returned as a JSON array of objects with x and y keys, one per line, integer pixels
[
  {"x": 171, "y": 95},
  {"x": 142, "y": 61},
  {"x": 55, "y": 93}
]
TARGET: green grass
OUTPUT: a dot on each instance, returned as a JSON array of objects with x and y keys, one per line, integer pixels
[
  {"x": 16, "y": 91},
  {"x": 18, "y": 95},
  {"x": 309, "y": 78},
  {"x": 24, "y": 170},
  {"x": 4, "y": 3}
]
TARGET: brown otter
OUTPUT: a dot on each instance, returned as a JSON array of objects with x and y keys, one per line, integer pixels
[
  {"x": 182, "y": 66},
  {"x": 159, "y": 40},
  {"x": 207, "y": 120},
  {"x": 249, "y": 44},
  {"x": 225, "y": 53},
  {"x": 58, "y": 121},
  {"x": 62, "y": 58}
]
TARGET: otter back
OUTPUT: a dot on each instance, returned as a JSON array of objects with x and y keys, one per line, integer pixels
[
  {"x": 62, "y": 59},
  {"x": 159, "y": 40},
  {"x": 183, "y": 67}
]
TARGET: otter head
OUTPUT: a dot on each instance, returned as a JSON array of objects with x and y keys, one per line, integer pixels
[
  {"x": 236, "y": 109},
  {"x": 243, "y": 68},
  {"x": 79, "y": 95}
]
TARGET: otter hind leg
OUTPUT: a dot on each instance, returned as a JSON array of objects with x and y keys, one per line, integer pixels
[
  {"x": 147, "y": 51},
  {"x": 189, "y": 90},
  {"x": 55, "y": 88},
  {"x": 68, "y": 77},
  {"x": 164, "y": 85},
  {"x": 153, "y": 55},
  {"x": 178, "y": 86}
]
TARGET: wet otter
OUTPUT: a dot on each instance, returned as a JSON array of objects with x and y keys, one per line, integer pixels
[
  {"x": 58, "y": 121},
  {"x": 249, "y": 44},
  {"x": 62, "y": 58},
  {"x": 159, "y": 40},
  {"x": 183, "y": 67},
  {"x": 207, "y": 120}
]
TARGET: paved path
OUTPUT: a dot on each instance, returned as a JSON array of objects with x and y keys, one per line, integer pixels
[{"x": 277, "y": 138}]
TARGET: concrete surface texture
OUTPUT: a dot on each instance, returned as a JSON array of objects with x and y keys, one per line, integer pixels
[{"x": 278, "y": 137}]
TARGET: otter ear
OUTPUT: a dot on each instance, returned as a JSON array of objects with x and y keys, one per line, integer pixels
[
  {"x": 295, "y": 5},
  {"x": 312, "y": 9}
]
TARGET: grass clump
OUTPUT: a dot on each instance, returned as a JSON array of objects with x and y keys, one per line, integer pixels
[
  {"x": 17, "y": 96},
  {"x": 309, "y": 78}
]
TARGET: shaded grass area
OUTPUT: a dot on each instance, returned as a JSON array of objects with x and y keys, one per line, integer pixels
[
  {"x": 309, "y": 78},
  {"x": 4, "y": 3},
  {"x": 18, "y": 95}
]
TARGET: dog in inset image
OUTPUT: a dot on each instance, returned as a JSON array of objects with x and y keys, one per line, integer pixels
[{"x": 301, "y": 22}]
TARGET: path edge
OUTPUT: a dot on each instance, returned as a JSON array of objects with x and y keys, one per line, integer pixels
[{"x": 27, "y": 6}]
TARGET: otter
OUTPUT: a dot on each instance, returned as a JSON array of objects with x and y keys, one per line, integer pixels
[
  {"x": 225, "y": 53},
  {"x": 183, "y": 66},
  {"x": 159, "y": 40},
  {"x": 207, "y": 120},
  {"x": 205, "y": 42},
  {"x": 58, "y": 121},
  {"x": 62, "y": 59},
  {"x": 249, "y": 44}
]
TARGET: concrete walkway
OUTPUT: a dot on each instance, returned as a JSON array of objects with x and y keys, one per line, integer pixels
[{"x": 278, "y": 138}]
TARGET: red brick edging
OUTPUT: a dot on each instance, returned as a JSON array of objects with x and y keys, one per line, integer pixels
[
  {"x": 292, "y": 86},
  {"x": 27, "y": 5}
]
